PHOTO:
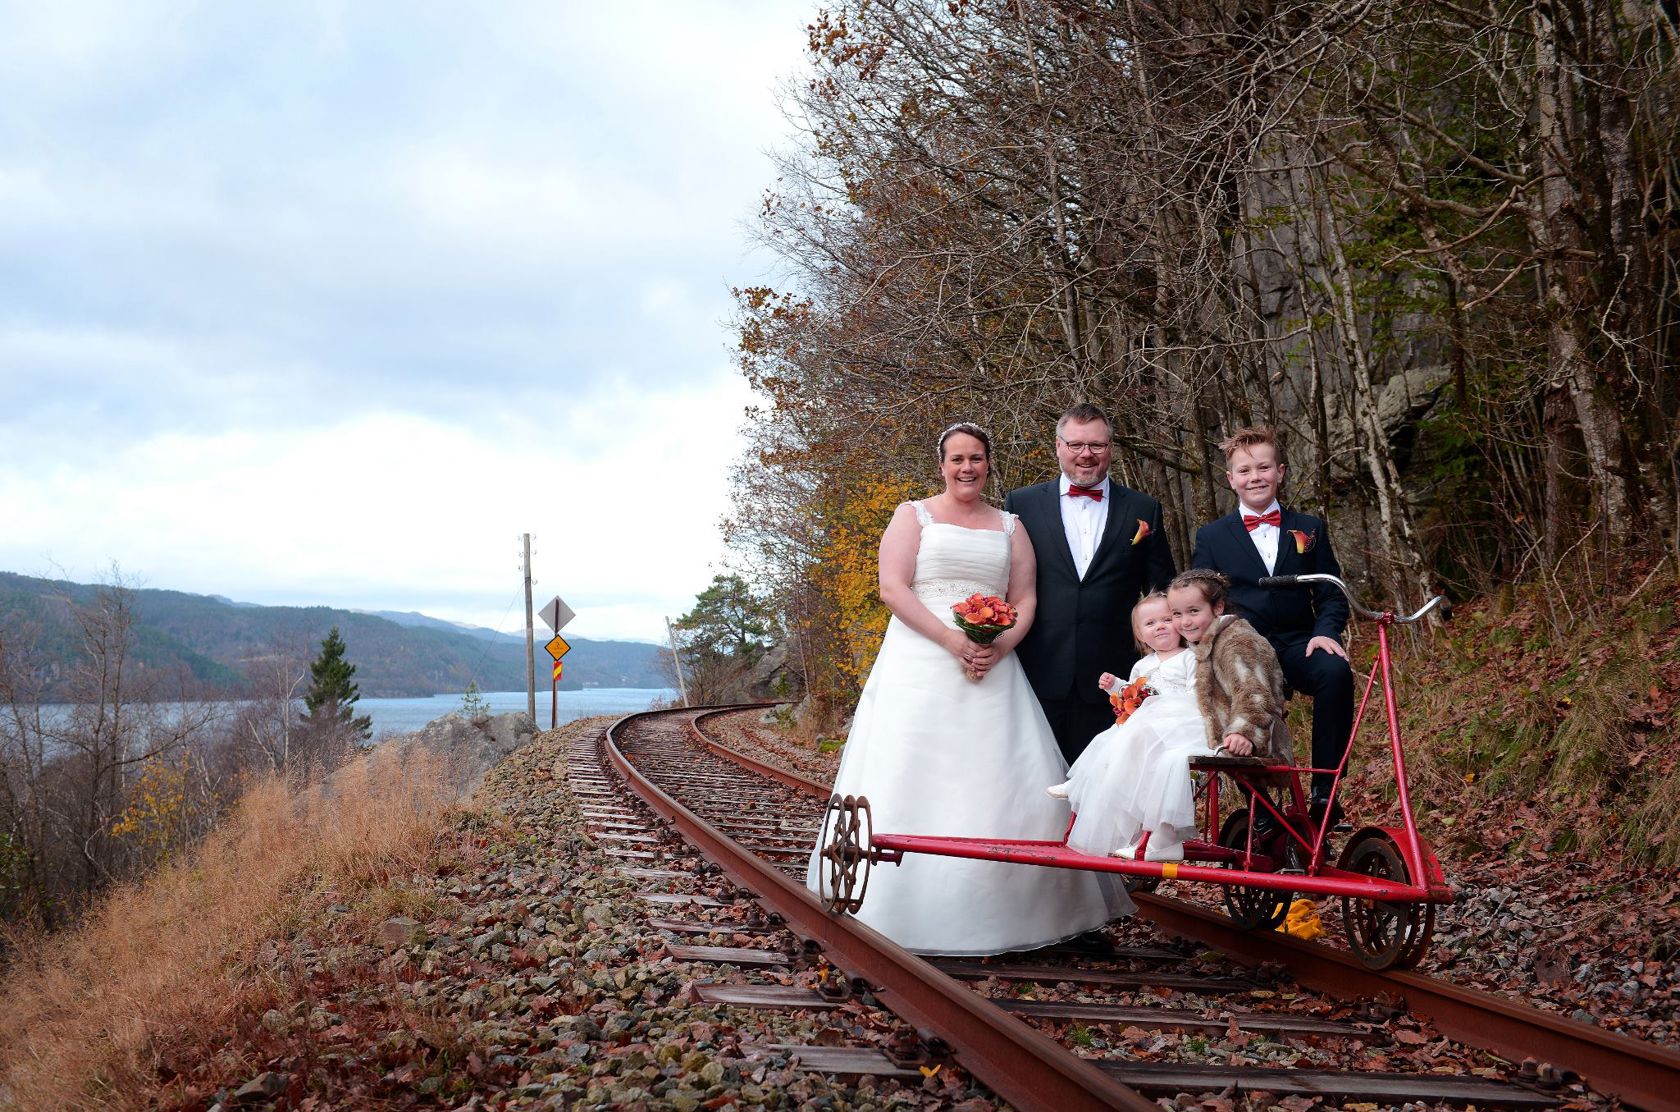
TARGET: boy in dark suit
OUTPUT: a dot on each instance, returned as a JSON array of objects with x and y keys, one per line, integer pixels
[{"x": 1304, "y": 626}]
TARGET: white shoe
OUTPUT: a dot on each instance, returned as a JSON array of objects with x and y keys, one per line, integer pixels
[
  {"x": 1169, "y": 851},
  {"x": 1058, "y": 791}
]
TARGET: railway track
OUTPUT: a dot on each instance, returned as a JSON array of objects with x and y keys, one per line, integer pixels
[{"x": 757, "y": 822}]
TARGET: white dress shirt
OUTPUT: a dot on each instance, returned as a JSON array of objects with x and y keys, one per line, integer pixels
[
  {"x": 1265, "y": 537},
  {"x": 1083, "y": 520}
]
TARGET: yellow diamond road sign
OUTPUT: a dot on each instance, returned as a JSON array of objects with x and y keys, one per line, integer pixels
[{"x": 557, "y": 648}]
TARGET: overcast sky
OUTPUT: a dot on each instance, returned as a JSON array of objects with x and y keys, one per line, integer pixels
[{"x": 326, "y": 303}]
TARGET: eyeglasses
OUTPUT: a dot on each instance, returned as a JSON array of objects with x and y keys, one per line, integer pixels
[{"x": 1080, "y": 448}]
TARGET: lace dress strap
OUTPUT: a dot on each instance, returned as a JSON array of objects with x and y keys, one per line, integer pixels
[
  {"x": 1009, "y": 521},
  {"x": 923, "y": 518}
]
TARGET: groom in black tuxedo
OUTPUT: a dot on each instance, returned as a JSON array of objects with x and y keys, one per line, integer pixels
[
  {"x": 1304, "y": 626},
  {"x": 1100, "y": 546}
]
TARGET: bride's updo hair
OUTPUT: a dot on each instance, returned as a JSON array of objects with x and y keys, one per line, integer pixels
[
  {"x": 978, "y": 433},
  {"x": 1213, "y": 585}
]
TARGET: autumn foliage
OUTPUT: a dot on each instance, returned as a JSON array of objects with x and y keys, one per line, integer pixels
[
  {"x": 1452, "y": 282},
  {"x": 845, "y": 618}
]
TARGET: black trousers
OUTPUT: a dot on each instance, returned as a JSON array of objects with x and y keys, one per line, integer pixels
[
  {"x": 1075, "y": 722},
  {"x": 1328, "y": 681}
]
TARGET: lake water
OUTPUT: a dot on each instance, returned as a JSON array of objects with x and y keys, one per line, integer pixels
[{"x": 401, "y": 716}]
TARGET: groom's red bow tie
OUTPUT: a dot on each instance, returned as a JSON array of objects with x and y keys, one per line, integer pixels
[
  {"x": 1270, "y": 517},
  {"x": 1093, "y": 493}
]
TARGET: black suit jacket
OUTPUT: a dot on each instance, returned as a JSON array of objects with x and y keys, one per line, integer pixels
[
  {"x": 1084, "y": 626},
  {"x": 1277, "y": 612}
]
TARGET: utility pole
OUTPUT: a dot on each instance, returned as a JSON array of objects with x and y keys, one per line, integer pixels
[
  {"x": 530, "y": 640},
  {"x": 676, "y": 661}
]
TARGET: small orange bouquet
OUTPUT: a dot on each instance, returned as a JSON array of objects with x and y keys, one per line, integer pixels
[
  {"x": 983, "y": 617},
  {"x": 1130, "y": 698}
]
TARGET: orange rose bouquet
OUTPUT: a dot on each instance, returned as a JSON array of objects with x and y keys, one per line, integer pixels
[
  {"x": 1130, "y": 698},
  {"x": 982, "y": 618}
]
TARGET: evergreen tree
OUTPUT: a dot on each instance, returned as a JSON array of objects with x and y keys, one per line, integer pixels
[
  {"x": 729, "y": 621},
  {"x": 726, "y": 634},
  {"x": 474, "y": 706},
  {"x": 330, "y": 704}
]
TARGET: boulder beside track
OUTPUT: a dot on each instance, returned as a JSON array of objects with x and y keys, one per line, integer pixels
[{"x": 470, "y": 748}]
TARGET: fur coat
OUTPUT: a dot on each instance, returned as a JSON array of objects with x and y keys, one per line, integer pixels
[{"x": 1239, "y": 688}]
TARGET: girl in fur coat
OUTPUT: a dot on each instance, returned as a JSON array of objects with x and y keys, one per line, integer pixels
[
  {"x": 1239, "y": 683},
  {"x": 1135, "y": 777}
]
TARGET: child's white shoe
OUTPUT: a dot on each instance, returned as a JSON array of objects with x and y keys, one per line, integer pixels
[
  {"x": 1058, "y": 791},
  {"x": 1167, "y": 851},
  {"x": 1154, "y": 851}
]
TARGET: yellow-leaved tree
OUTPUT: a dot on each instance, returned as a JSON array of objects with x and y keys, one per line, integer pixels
[
  {"x": 161, "y": 811},
  {"x": 847, "y": 571}
]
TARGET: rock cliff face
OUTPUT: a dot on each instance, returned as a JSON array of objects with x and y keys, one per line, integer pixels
[
  {"x": 772, "y": 677},
  {"x": 1287, "y": 272}
]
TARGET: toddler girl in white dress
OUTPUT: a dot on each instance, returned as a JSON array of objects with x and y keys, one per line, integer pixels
[{"x": 1135, "y": 776}]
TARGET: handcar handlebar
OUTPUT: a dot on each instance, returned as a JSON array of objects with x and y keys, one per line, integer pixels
[{"x": 1375, "y": 615}]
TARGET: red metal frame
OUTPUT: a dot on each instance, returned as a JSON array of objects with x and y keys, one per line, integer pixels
[{"x": 1204, "y": 855}]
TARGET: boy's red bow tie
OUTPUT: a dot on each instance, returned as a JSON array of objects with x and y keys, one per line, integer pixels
[{"x": 1270, "y": 517}]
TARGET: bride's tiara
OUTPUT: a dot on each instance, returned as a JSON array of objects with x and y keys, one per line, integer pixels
[{"x": 971, "y": 429}]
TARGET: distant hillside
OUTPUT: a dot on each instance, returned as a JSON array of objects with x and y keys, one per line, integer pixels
[
  {"x": 413, "y": 620},
  {"x": 208, "y": 642}
]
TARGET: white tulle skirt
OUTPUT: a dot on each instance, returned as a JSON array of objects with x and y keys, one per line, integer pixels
[
  {"x": 937, "y": 753},
  {"x": 1136, "y": 776}
]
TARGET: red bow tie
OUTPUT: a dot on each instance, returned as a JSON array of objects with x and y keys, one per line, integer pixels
[
  {"x": 1093, "y": 493},
  {"x": 1270, "y": 517}
]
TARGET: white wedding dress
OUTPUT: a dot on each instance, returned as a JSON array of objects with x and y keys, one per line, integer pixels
[
  {"x": 937, "y": 753},
  {"x": 1136, "y": 776}
]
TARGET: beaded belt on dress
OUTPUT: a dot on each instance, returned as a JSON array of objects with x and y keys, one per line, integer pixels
[{"x": 936, "y": 590}]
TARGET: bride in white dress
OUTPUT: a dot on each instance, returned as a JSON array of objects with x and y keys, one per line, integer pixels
[{"x": 936, "y": 752}]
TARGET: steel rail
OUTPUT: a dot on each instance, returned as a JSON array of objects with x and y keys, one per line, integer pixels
[
  {"x": 781, "y": 775},
  {"x": 1016, "y": 1062},
  {"x": 1641, "y": 1074}
]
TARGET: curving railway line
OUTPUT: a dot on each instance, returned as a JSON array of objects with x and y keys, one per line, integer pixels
[{"x": 757, "y": 822}]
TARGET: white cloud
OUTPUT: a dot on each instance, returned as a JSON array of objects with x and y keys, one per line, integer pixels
[
  {"x": 388, "y": 511},
  {"x": 327, "y": 302}
]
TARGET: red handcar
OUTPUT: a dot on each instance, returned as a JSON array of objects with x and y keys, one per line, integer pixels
[{"x": 1258, "y": 840}]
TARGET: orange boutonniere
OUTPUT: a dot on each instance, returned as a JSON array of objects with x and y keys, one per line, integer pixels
[
  {"x": 1303, "y": 540},
  {"x": 1143, "y": 530}
]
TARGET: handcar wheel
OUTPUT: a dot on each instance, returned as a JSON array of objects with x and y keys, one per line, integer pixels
[
  {"x": 1384, "y": 935},
  {"x": 843, "y": 876},
  {"x": 1252, "y": 909}
]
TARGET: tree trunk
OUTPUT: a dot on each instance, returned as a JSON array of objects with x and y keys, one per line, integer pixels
[
  {"x": 1399, "y": 537},
  {"x": 1555, "y": 229}
]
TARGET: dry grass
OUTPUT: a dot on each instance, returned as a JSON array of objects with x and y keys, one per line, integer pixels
[
  {"x": 81, "y": 1012},
  {"x": 1504, "y": 713}
]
